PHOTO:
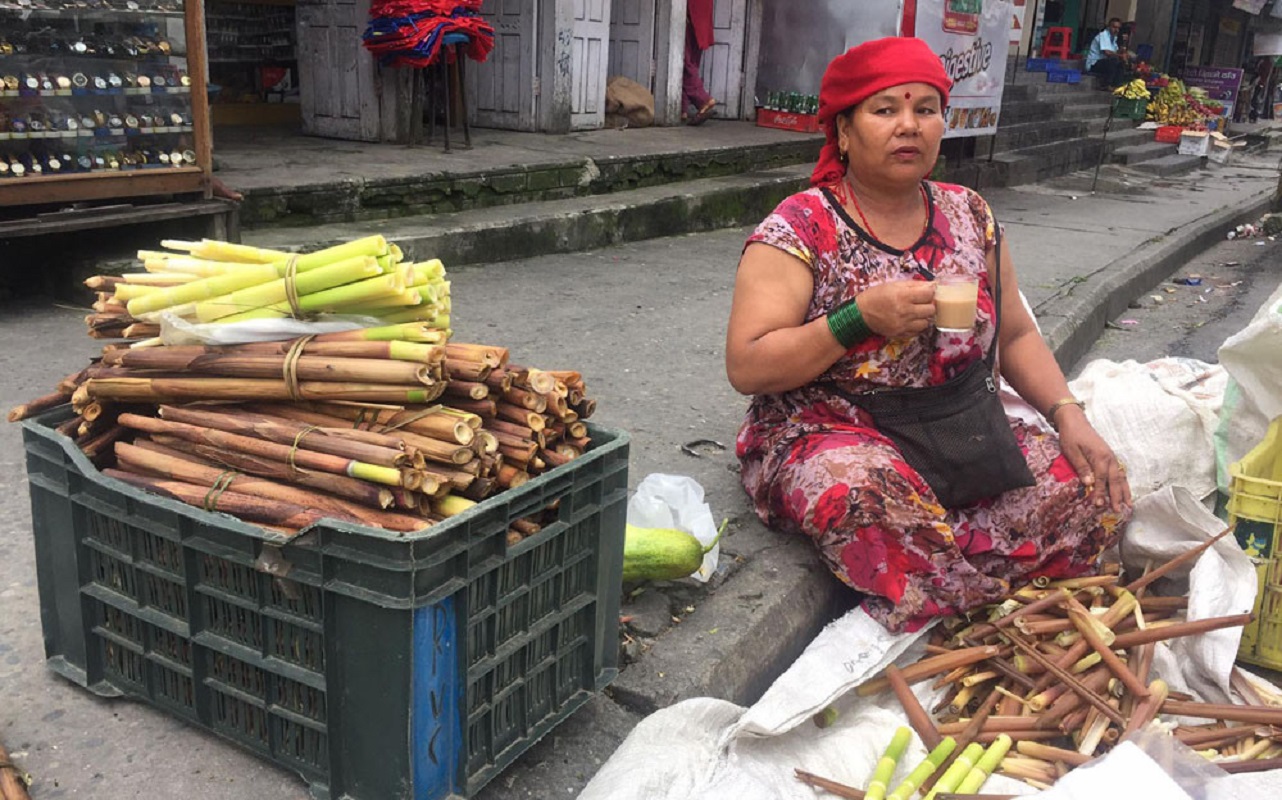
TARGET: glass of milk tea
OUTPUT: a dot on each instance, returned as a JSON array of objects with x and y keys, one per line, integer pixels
[{"x": 955, "y": 299}]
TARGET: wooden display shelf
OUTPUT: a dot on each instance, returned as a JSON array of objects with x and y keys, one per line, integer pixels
[
  {"x": 97, "y": 186},
  {"x": 38, "y": 189}
]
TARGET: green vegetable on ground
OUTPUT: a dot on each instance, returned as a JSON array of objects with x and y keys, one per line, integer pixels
[{"x": 663, "y": 554}]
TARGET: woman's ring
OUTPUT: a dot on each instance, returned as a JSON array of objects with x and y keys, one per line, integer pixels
[{"x": 1121, "y": 468}]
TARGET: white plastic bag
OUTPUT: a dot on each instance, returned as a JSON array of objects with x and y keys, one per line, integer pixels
[
  {"x": 1252, "y": 399},
  {"x": 676, "y": 501},
  {"x": 177, "y": 331}
]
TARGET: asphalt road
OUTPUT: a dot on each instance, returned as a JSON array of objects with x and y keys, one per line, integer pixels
[{"x": 1176, "y": 319}]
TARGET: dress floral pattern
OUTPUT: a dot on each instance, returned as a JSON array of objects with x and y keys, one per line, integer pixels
[{"x": 815, "y": 465}]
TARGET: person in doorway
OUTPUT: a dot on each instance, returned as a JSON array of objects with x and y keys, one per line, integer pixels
[
  {"x": 1106, "y": 56},
  {"x": 699, "y": 37},
  {"x": 834, "y": 312}
]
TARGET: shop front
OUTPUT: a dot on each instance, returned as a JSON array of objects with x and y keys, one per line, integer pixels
[
  {"x": 102, "y": 102},
  {"x": 547, "y": 72},
  {"x": 553, "y": 58}
]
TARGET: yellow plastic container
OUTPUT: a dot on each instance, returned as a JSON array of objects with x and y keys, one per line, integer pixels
[{"x": 1255, "y": 507}]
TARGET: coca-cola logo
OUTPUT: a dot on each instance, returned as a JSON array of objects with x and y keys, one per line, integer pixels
[{"x": 787, "y": 119}]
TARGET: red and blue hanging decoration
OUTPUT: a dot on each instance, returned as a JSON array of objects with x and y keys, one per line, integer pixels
[{"x": 419, "y": 33}]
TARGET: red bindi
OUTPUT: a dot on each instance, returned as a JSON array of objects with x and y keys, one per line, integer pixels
[{"x": 908, "y": 95}]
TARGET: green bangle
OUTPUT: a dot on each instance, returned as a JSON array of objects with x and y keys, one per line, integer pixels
[{"x": 847, "y": 324}]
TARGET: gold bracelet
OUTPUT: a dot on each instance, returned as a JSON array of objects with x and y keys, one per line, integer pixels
[{"x": 1058, "y": 404}]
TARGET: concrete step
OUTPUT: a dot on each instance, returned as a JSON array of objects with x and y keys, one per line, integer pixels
[
  {"x": 1045, "y": 88},
  {"x": 410, "y": 193},
  {"x": 493, "y": 234},
  {"x": 1019, "y": 111},
  {"x": 1030, "y": 134},
  {"x": 1173, "y": 164},
  {"x": 1134, "y": 154},
  {"x": 1095, "y": 126},
  {"x": 1033, "y": 164},
  {"x": 1085, "y": 111},
  {"x": 1125, "y": 138},
  {"x": 1089, "y": 98}
]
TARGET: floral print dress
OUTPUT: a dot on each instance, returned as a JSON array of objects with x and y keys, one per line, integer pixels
[{"x": 815, "y": 465}]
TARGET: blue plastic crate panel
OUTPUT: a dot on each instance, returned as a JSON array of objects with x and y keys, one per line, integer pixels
[
  {"x": 1063, "y": 76},
  {"x": 382, "y": 665}
]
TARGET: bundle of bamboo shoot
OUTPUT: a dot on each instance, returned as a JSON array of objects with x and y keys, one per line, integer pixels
[
  {"x": 212, "y": 281},
  {"x": 1062, "y": 668},
  {"x": 391, "y": 425},
  {"x": 360, "y": 429}
]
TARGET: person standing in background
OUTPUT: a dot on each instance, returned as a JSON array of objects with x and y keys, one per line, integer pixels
[{"x": 698, "y": 39}]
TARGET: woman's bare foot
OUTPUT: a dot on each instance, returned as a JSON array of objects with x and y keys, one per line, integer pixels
[{"x": 224, "y": 191}]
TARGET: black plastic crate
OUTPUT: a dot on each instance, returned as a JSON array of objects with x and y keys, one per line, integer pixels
[{"x": 377, "y": 665}]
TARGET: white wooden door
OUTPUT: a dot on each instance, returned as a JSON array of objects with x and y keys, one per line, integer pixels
[
  {"x": 589, "y": 52},
  {"x": 722, "y": 66},
  {"x": 502, "y": 90},
  {"x": 632, "y": 41},
  {"x": 335, "y": 71}
]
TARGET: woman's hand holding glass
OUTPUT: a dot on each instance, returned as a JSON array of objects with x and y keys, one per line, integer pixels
[{"x": 898, "y": 309}]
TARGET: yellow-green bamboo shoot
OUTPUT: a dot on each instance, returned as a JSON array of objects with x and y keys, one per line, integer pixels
[
  {"x": 389, "y": 304},
  {"x": 987, "y": 763},
  {"x": 425, "y": 313},
  {"x": 204, "y": 289},
  {"x": 253, "y": 274},
  {"x": 191, "y": 266},
  {"x": 158, "y": 278},
  {"x": 428, "y": 271},
  {"x": 885, "y": 769},
  {"x": 960, "y": 768},
  {"x": 274, "y": 292},
  {"x": 351, "y": 294},
  {"x": 404, "y": 332},
  {"x": 450, "y": 505},
  {"x": 128, "y": 292},
  {"x": 924, "y": 770},
  {"x": 224, "y": 251}
]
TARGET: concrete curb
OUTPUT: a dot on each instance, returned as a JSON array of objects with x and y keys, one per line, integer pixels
[
  {"x": 756, "y": 636},
  {"x": 1078, "y": 319}
]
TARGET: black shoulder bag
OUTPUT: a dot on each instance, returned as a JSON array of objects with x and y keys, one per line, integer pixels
[{"x": 955, "y": 434}]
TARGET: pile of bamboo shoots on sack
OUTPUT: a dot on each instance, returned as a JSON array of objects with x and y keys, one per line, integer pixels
[
  {"x": 1060, "y": 672},
  {"x": 390, "y": 425}
]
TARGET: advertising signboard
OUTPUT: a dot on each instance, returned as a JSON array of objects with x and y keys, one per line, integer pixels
[
  {"x": 1221, "y": 83},
  {"x": 972, "y": 38}
]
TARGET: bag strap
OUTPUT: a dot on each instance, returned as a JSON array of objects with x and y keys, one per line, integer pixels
[{"x": 996, "y": 280}]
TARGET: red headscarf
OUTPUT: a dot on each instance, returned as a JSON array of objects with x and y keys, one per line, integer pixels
[{"x": 861, "y": 72}]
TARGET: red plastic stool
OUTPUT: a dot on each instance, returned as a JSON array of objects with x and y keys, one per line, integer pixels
[{"x": 1058, "y": 43}]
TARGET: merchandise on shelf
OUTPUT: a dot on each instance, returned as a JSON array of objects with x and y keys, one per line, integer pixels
[
  {"x": 93, "y": 86},
  {"x": 253, "y": 51}
]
